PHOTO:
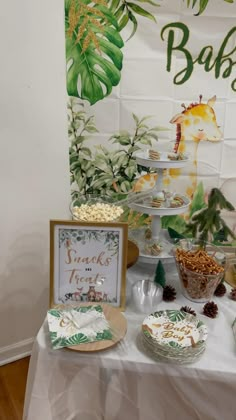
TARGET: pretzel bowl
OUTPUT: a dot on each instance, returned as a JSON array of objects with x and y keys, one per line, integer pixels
[{"x": 201, "y": 267}]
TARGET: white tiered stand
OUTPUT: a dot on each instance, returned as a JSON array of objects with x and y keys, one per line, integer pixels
[{"x": 144, "y": 206}]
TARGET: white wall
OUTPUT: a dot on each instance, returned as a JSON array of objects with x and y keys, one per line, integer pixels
[{"x": 34, "y": 174}]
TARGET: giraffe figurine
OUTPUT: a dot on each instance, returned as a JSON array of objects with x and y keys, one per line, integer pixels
[{"x": 197, "y": 122}]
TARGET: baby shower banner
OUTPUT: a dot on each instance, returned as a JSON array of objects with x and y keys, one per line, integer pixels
[{"x": 158, "y": 74}]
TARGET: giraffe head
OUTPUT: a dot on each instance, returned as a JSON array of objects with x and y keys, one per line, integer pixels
[{"x": 198, "y": 122}]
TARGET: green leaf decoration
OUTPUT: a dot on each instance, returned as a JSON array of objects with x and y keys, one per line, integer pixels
[
  {"x": 77, "y": 339},
  {"x": 92, "y": 36},
  {"x": 174, "y": 345},
  {"x": 175, "y": 316},
  {"x": 140, "y": 11},
  {"x": 55, "y": 312},
  {"x": 84, "y": 309},
  {"x": 125, "y": 12},
  {"x": 199, "y": 324},
  {"x": 202, "y": 5},
  {"x": 175, "y": 235},
  {"x": 105, "y": 335},
  {"x": 175, "y": 222},
  {"x": 198, "y": 201},
  {"x": 133, "y": 19},
  {"x": 53, "y": 335},
  {"x": 147, "y": 333},
  {"x": 160, "y": 276},
  {"x": 205, "y": 222}
]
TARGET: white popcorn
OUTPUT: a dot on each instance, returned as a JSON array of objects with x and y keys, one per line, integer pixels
[{"x": 99, "y": 212}]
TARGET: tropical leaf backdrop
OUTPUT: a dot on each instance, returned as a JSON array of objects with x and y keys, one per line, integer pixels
[{"x": 121, "y": 98}]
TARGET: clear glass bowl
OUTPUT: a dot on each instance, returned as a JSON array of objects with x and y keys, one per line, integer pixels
[
  {"x": 91, "y": 208},
  {"x": 196, "y": 285}
]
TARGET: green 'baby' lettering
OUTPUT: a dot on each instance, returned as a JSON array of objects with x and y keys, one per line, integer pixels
[{"x": 223, "y": 63}]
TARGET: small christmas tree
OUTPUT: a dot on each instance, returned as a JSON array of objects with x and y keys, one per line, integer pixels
[
  {"x": 206, "y": 222},
  {"x": 160, "y": 276}
]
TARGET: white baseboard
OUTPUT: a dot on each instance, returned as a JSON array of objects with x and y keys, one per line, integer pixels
[{"x": 16, "y": 351}]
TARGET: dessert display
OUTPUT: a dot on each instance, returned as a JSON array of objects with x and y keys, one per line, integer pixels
[
  {"x": 160, "y": 202},
  {"x": 97, "y": 212}
]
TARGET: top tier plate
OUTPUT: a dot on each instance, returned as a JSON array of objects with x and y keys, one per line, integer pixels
[{"x": 143, "y": 159}]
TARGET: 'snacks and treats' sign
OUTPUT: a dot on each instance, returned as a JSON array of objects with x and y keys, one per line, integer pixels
[{"x": 88, "y": 263}]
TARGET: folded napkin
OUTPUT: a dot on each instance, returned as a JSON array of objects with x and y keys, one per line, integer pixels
[{"x": 73, "y": 326}]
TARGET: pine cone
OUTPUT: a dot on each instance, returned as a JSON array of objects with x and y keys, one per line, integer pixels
[
  {"x": 210, "y": 309},
  {"x": 188, "y": 310},
  {"x": 169, "y": 293},
  {"x": 220, "y": 290},
  {"x": 233, "y": 293}
]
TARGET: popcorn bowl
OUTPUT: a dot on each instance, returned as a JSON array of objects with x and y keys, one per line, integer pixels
[
  {"x": 201, "y": 268},
  {"x": 92, "y": 208}
]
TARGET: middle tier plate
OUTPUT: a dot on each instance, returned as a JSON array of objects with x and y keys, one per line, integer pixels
[
  {"x": 145, "y": 206},
  {"x": 164, "y": 162}
]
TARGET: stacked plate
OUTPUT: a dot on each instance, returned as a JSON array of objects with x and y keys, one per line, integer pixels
[{"x": 174, "y": 336}]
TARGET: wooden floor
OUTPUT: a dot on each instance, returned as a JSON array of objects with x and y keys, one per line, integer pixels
[{"x": 12, "y": 389}]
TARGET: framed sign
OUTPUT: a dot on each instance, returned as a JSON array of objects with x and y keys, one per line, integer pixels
[{"x": 88, "y": 262}]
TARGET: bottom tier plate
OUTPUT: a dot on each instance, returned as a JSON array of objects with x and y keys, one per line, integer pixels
[
  {"x": 151, "y": 259},
  {"x": 138, "y": 236}
]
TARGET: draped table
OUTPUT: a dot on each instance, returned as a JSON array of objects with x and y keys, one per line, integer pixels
[{"x": 125, "y": 383}]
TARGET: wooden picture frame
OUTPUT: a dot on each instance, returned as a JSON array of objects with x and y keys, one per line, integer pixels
[{"x": 88, "y": 262}]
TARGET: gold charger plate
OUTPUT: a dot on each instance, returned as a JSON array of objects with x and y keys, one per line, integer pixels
[
  {"x": 118, "y": 325},
  {"x": 133, "y": 254}
]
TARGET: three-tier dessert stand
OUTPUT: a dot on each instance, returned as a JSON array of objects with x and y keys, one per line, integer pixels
[{"x": 169, "y": 205}]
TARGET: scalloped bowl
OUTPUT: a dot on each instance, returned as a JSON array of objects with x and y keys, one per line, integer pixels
[
  {"x": 91, "y": 208},
  {"x": 196, "y": 286}
]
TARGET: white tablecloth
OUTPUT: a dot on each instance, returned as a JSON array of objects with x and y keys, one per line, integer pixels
[{"x": 124, "y": 383}]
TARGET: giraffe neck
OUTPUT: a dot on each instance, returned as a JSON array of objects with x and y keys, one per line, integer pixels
[
  {"x": 180, "y": 146},
  {"x": 178, "y": 137}
]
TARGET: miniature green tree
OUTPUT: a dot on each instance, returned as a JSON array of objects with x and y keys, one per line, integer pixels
[
  {"x": 160, "y": 276},
  {"x": 205, "y": 223}
]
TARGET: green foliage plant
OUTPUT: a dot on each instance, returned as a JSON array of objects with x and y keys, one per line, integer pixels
[
  {"x": 206, "y": 222},
  {"x": 82, "y": 168},
  {"x": 117, "y": 170},
  {"x": 105, "y": 171}
]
